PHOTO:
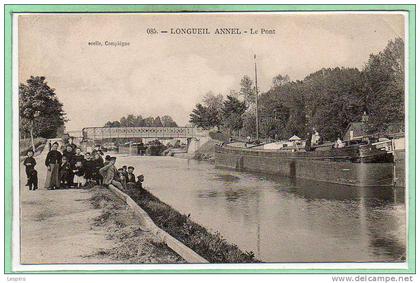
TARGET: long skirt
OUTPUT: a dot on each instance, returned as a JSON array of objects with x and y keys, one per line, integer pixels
[{"x": 53, "y": 179}]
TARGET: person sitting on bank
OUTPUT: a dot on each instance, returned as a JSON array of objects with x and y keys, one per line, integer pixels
[
  {"x": 31, "y": 173},
  {"x": 131, "y": 178},
  {"x": 125, "y": 172},
  {"x": 121, "y": 178},
  {"x": 109, "y": 172},
  {"x": 107, "y": 160},
  {"x": 53, "y": 162},
  {"x": 66, "y": 174},
  {"x": 139, "y": 183}
]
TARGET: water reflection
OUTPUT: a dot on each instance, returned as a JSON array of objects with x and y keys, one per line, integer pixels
[{"x": 280, "y": 219}]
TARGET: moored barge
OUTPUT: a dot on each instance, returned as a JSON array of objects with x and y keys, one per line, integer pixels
[{"x": 356, "y": 165}]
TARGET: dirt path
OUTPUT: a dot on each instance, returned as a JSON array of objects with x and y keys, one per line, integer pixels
[{"x": 60, "y": 226}]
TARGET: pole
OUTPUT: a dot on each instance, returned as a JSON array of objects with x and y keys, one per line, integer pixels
[{"x": 257, "y": 120}]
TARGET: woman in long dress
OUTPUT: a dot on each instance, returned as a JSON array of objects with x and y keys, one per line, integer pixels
[{"x": 53, "y": 162}]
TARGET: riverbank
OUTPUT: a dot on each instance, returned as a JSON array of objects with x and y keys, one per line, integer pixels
[
  {"x": 211, "y": 246},
  {"x": 133, "y": 245}
]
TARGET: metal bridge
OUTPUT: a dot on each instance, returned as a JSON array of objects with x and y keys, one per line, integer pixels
[{"x": 100, "y": 133}]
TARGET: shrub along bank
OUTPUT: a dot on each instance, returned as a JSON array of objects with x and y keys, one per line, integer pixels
[{"x": 211, "y": 246}]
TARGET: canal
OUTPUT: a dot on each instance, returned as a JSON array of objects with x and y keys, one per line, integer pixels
[{"x": 279, "y": 219}]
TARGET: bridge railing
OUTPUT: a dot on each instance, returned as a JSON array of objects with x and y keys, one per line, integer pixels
[{"x": 100, "y": 133}]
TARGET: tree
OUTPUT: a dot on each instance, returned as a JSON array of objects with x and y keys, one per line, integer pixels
[
  {"x": 247, "y": 90},
  {"x": 167, "y": 121},
  {"x": 384, "y": 82},
  {"x": 112, "y": 124},
  {"x": 40, "y": 111},
  {"x": 148, "y": 122},
  {"x": 280, "y": 80},
  {"x": 204, "y": 117},
  {"x": 334, "y": 98},
  {"x": 157, "y": 122},
  {"x": 233, "y": 109}
]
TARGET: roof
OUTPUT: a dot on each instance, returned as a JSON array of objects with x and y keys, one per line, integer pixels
[{"x": 295, "y": 138}]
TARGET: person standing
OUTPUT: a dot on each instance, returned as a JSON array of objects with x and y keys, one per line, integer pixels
[
  {"x": 31, "y": 173},
  {"x": 53, "y": 162},
  {"x": 71, "y": 143}
]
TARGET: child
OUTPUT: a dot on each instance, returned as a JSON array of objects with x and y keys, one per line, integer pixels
[
  {"x": 131, "y": 178},
  {"x": 98, "y": 163},
  {"x": 140, "y": 180},
  {"x": 88, "y": 165},
  {"x": 31, "y": 173},
  {"x": 66, "y": 173},
  {"x": 79, "y": 173}
]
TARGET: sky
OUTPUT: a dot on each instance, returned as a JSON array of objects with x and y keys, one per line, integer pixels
[{"x": 166, "y": 74}]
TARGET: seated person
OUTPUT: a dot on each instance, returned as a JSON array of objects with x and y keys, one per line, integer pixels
[
  {"x": 140, "y": 180},
  {"x": 125, "y": 170},
  {"x": 131, "y": 178},
  {"x": 108, "y": 172},
  {"x": 120, "y": 177}
]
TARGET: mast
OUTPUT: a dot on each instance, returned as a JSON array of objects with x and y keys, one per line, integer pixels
[{"x": 257, "y": 120}]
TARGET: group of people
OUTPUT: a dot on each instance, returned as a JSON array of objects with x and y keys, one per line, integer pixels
[{"x": 71, "y": 168}]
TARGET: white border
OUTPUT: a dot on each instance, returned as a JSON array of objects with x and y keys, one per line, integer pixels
[{"x": 16, "y": 266}]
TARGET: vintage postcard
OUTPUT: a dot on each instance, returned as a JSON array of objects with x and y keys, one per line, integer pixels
[{"x": 211, "y": 140}]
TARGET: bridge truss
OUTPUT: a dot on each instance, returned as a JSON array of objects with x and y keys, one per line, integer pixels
[{"x": 101, "y": 133}]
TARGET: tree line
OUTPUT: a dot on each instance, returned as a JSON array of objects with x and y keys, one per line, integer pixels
[
  {"x": 138, "y": 121},
  {"x": 327, "y": 100}
]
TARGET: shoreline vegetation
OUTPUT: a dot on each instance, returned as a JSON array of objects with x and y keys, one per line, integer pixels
[
  {"x": 133, "y": 244},
  {"x": 212, "y": 246}
]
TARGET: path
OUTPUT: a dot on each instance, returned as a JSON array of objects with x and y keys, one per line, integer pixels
[{"x": 57, "y": 225}]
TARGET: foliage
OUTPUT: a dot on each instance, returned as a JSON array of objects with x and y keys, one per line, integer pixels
[
  {"x": 41, "y": 113},
  {"x": 208, "y": 114},
  {"x": 326, "y": 100},
  {"x": 138, "y": 121},
  {"x": 247, "y": 90},
  {"x": 232, "y": 112},
  {"x": 384, "y": 83}
]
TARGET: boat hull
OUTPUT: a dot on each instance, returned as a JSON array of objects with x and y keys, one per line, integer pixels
[{"x": 298, "y": 165}]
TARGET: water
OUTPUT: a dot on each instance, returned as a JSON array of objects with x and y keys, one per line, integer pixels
[{"x": 279, "y": 219}]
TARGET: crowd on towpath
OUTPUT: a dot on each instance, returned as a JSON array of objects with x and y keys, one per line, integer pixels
[{"x": 70, "y": 167}]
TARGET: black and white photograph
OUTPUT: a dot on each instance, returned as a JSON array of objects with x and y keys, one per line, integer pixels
[{"x": 171, "y": 139}]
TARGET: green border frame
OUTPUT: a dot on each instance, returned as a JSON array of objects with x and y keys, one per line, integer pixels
[{"x": 93, "y": 8}]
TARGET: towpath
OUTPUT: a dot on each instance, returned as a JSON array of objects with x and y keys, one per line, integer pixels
[{"x": 58, "y": 226}]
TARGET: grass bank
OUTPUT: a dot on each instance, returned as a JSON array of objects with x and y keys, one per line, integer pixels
[
  {"x": 133, "y": 245},
  {"x": 211, "y": 246}
]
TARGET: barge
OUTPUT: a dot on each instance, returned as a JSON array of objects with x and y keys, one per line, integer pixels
[{"x": 357, "y": 165}]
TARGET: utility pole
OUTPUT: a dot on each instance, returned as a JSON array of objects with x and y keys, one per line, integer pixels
[{"x": 257, "y": 119}]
